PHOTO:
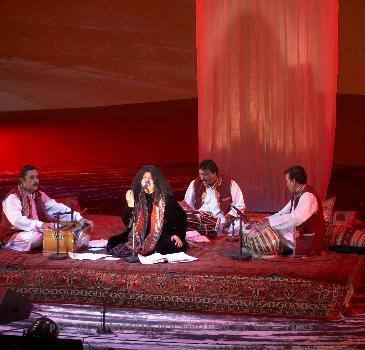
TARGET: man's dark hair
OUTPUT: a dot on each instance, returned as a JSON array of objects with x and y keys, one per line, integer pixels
[
  {"x": 297, "y": 173},
  {"x": 209, "y": 164},
  {"x": 25, "y": 169}
]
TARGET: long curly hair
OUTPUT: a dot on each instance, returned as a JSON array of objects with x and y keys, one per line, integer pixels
[{"x": 162, "y": 187}]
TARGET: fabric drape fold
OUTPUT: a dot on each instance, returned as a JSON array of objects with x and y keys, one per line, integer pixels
[{"x": 267, "y": 77}]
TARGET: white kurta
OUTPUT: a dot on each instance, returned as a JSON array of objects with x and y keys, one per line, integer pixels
[
  {"x": 286, "y": 220},
  {"x": 210, "y": 202},
  {"x": 31, "y": 236}
]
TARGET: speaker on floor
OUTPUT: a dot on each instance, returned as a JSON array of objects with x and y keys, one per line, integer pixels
[
  {"x": 14, "y": 342},
  {"x": 13, "y": 306}
]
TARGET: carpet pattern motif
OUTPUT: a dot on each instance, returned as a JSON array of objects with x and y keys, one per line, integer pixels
[
  {"x": 228, "y": 294},
  {"x": 317, "y": 287}
]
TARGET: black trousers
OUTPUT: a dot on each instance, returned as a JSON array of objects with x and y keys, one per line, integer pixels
[{"x": 164, "y": 245}]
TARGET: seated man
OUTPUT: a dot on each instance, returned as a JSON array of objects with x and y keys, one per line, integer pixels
[
  {"x": 214, "y": 193},
  {"x": 28, "y": 211},
  {"x": 303, "y": 214}
]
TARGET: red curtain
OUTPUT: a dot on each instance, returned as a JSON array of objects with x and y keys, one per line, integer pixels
[{"x": 267, "y": 75}]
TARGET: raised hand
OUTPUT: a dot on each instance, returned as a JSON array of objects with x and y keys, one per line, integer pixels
[{"x": 129, "y": 196}]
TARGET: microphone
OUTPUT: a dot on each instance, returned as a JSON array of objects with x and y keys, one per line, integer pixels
[
  {"x": 71, "y": 202},
  {"x": 239, "y": 212},
  {"x": 244, "y": 217},
  {"x": 146, "y": 184}
]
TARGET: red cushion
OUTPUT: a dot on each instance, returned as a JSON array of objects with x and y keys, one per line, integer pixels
[
  {"x": 343, "y": 235},
  {"x": 344, "y": 217}
]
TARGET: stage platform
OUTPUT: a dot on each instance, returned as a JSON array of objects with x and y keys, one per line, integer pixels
[{"x": 314, "y": 287}]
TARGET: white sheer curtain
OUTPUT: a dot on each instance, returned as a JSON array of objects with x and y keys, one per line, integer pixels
[{"x": 267, "y": 74}]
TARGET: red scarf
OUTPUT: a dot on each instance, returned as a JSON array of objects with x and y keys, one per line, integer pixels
[
  {"x": 145, "y": 245},
  {"x": 26, "y": 205}
]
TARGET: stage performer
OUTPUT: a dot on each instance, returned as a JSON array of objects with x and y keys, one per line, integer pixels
[
  {"x": 302, "y": 214},
  {"x": 215, "y": 194},
  {"x": 158, "y": 220},
  {"x": 27, "y": 212}
]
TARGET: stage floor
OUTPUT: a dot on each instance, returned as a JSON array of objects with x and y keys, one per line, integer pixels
[{"x": 135, "y": 329}]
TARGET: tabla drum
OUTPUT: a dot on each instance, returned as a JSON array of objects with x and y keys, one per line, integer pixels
[
  {"x": 202, "y": 222},
  {"x": 264, "y": 242}
]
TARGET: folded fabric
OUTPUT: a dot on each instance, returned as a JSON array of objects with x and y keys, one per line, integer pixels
[
  {"x": 88, "y": 256},
  {"x": 167, "y": 258},
  {"x": 195, "y": 236},
  {"x": 98, "y": 243},
  {"x": 110, "y": 258}
]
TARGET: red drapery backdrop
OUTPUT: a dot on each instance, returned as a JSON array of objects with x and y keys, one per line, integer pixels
[{"x": 267, "y": 75}]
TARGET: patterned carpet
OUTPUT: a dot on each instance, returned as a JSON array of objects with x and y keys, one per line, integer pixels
[{"x": 316, "y": 287}]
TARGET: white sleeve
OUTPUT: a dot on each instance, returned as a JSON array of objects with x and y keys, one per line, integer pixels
[
  {"x": 13, "y": 210},
  {"x": 190, "y": 195},
  {"x": 306, "y": 207},
  {"x": 52, "y": 207},
  {"x": 285, "y": 210},
  {"x": 237, "y": 198}
]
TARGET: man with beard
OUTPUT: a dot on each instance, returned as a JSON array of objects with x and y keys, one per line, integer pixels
[
  {"x": 302, "y": 215},
  {"x": 215, "y": 194},
  {"x": 27, "y": 212}
]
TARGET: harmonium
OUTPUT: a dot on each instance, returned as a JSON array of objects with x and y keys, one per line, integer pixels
[{"x": 72, "y": 238}]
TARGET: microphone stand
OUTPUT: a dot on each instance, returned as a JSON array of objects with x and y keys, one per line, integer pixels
[
  {"x": 240, "y": 255},
  {"x": 57, "y": 255},
  {"x": 133, "y": 258},
  {"x": 232, "y": 238},
  {"x": 103, "y": 329},
  {"x": 71, "y": 202}
]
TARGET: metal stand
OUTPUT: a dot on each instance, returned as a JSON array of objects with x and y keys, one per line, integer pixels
[
  {"x": 232, "y": 238},
  {"x": 240, "y": 255},
  {"x": 133, "y": 258},
  {"x": 103, "y": 329},
  {"x": 58, "y": 255}
]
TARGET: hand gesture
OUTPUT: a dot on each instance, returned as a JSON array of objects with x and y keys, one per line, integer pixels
[
  {"x": 228, "y": 220},
  {"x": 129, "y": 196},
  {"x": 47, "y": 226}
]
